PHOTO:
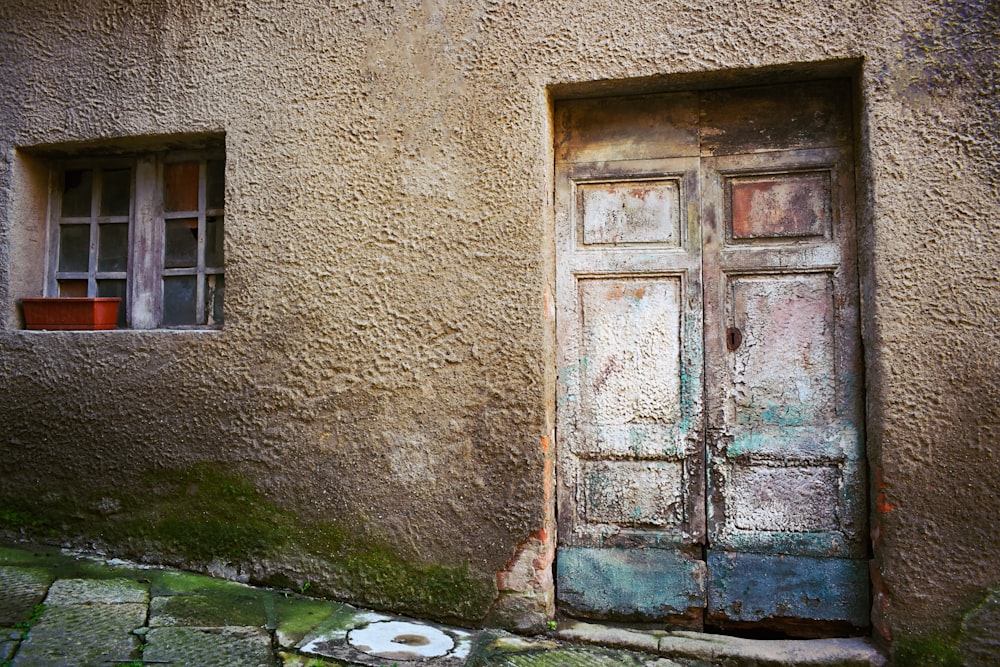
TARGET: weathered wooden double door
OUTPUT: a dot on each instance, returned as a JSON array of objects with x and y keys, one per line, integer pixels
[{"x": 710, "y": 407}]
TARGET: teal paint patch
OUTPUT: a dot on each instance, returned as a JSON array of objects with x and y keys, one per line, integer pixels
[
  {"x": 776, "y": 415},
  {"x": 629, "y": 583},
  {"x": 835, "y": 442},
  {"x": 752, "y": 587},
  {"x": 818, "y": 545}
]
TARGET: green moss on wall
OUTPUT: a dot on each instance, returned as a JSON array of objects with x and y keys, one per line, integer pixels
[
  {"x": 20, "y": 519},
  {"x": 931, "y": 651},
  {"x": 201, "y": 513},
  {"x": 43, "y": 515},
  {"x": 974, "y": 640}
]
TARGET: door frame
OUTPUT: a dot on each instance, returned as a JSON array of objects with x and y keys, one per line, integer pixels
[{"x": 862, "y": 238}]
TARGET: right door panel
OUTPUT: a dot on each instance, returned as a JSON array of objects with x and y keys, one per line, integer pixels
[{"x": 786, "y": 501}]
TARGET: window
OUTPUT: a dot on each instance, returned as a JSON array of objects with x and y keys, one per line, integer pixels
[{"x": 147, "y": 229}]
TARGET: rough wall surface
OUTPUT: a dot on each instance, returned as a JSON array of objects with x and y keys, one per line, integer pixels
[
  {"x": 934, "y": 386},
  {"x": 384, "y": 374}
]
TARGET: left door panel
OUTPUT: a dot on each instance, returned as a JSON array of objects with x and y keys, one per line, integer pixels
[{"x": 629, "y": 298}]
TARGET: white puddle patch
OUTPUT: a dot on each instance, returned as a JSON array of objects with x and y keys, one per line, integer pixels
[
  {"x": 399, "y": 640},
  {"x": 463, "y": 644},
  {"x": 322, "y": 636}
]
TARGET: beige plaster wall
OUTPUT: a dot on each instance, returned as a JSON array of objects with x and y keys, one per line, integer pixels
[{"x": 386, "y": 360}]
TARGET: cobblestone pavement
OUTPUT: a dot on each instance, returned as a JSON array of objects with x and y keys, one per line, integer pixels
[{"x": 61, "y": 609}]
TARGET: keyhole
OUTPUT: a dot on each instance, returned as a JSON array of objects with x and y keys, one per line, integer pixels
[{"x": 734, "y": 338}]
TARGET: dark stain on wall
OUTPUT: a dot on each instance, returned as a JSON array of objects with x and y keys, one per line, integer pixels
[
  {"x": 954, "y": 56},
  {"x": 202, "y": 516}
]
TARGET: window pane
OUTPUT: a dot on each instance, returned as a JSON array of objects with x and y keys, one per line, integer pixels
[
  {"x": 114, "y": 288},
  {"x": 216, "y": 184},
  {"x": 214, "y": 294},
  {"x": 179, "y": 300},
  {"x": 112, "y": 248},
  {"x": 180, "y": 186},
  {"x": 213, "y": 243},
  {"x": 74, "y": 247},
  {"x": 76, "y": 193},
  {"x": 73, "y": 288},
  {"x": 180, "y": 244},
  {"x": 116, "y": 191}
]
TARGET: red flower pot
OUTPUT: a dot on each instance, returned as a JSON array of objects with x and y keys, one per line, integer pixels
[{"x": 71, "y": 313}]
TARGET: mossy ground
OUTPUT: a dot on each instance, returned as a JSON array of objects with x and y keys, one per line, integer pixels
[{"x": 202, "y": 514}]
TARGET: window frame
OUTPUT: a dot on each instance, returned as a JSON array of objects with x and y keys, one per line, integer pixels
[
  {"x": 145, "y": 273},
  {"x": 93, "y": 221}
]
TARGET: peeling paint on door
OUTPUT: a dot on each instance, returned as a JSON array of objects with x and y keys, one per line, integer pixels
[
  {"x": 781, "y": 206},
  {"x": 631, "y": 341},
  {"x": 631, "y": 213},
  {"x": 783, "y": 372},
  {"x": 707, "y": 314},
  {"x": 629, "y": 319}
]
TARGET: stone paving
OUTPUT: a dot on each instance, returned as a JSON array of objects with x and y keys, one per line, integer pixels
[{"x": 61, "y": 609}]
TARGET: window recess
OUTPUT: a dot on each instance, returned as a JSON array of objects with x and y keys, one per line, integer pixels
[{"x": 148, "y": 229}]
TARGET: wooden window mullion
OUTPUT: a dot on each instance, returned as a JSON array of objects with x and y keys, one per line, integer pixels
[
  {"x": 146, "y": 290},
  {"x": 130, "y": 263},
  {"x": 52, "y": 240},
  {"x": 200, "y": 315},
  {"x": 95, "y": 211}
]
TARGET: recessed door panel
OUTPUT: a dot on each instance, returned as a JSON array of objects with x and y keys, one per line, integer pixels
[
  {"x": 779, "y": 206},
  {"x": 782, "y": 372},
  {"x": 631, "y": 343},
  {"x": 794, "y": 498},
  {"x": 635, "y": 494},
  {"x": 641, "y": 212}
]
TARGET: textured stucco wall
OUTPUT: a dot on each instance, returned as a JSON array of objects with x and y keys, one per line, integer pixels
[
  {"x": 386, "y": 360},
  {"x": 932, "y": 131}
]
